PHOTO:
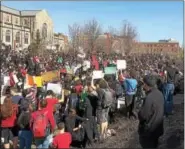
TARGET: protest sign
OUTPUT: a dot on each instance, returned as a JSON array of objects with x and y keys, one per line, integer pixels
[
  {"x": 56, "y": 88},
  {"x": 50, "y": 76},
  {"x": 110, "y": 70},
  {"x": 121, "y": 64},
  {"x": 3, "y": 88},
  {"x": 38, "y": 81},
  {"x": 97, "y": 74},
  {"x": 29, "y": 80},
  {"x": 6, "y": 80}
]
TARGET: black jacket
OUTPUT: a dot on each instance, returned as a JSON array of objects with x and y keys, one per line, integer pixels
[{"x": 151, "y": 114}]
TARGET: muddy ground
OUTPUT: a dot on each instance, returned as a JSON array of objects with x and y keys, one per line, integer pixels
[{"x": 127, "y": 136}]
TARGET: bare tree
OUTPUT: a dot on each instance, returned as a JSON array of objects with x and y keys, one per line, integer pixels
[
  {"x": 92, "y": 30},
  {"x": 74, "y": 33},
  {"x": 128, "y": 34},
  {"x": 111, "y": 38}
]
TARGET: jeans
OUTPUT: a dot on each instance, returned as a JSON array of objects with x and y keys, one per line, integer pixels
[
  {"x": 44, "y": 142},
  {"x": 130, "y": 102},
  {"x": 168, "y": 91},
  {"x": 25, "y": 139}
]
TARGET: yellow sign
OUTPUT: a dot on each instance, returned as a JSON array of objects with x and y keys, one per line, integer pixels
[
  {"x": 50, "y": 76},
  {"x": 38, "y": 81}
]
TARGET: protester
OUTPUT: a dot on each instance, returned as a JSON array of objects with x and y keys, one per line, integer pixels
[
  {"x": 8, "y": 116},
  {"x": 42, "y": 125},
  {"x": 169, "y": 87},
  {"x": 62, "y": 139},
  {"x": 130, "y": 86},
  {"x": 151, "y": 115},
  {"x": 23, "y": 122}
]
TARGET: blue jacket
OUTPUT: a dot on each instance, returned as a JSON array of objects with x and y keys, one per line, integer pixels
[{"x": 130, "y": 86}]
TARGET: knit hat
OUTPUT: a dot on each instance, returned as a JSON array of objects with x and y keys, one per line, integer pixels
[{"x": 150, "y": 80}]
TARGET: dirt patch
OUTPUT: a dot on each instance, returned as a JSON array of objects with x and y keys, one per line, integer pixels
[{"x": 127, "y": 136}]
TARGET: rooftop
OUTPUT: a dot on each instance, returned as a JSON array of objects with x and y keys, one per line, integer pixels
[{"x": 18, "y": 12}]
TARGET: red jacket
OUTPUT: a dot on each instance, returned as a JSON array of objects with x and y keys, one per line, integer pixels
[
  {"x": 10, "y": 121},
  {"x": 49, "y": 115}
]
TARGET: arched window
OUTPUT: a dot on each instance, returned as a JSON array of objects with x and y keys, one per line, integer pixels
[
  {"x": 8, "y": 35},
  {"x": 26, "y": 38},
  {"x": 44, "y": 30},
  {"x": 17, "y": 37}
]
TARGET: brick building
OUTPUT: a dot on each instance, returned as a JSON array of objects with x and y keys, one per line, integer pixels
[{"x": 160, "y": 46}]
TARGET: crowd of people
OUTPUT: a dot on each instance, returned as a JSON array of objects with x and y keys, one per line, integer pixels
[{"x": 82, "y": 117}]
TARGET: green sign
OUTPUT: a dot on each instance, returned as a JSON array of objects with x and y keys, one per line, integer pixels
[
  {"x": 110, "y": 70},
  {"x": 60, "y": 60}
]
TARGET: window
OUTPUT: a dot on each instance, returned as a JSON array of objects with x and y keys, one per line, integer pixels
[
  {"x": 44, "y": 30},
  {"x": 7, "y": 18},
  {"x": 16, "y": 21},
  {"x": 25, "y": 22},
  {"x": 17, "y": 38},
  {"x": 26, "y": 38},
  {"x": 8, "y": 36}
]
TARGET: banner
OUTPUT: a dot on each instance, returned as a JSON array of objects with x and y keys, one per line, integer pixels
[
  {"x": 50, "y": 76},
  {"x": 121, "y": 64},
  {"x": 97, "y": 74},
  {"x": 110, "y": 70}
]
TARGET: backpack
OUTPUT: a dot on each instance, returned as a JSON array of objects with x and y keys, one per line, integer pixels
[
  {"x": 40, "y": 125},
  {"x": 107, "y": 98},
  {"x": 73, "y": 99},
  {"x": 119, "y": 90},
  {"x": 23, "y": 120}
]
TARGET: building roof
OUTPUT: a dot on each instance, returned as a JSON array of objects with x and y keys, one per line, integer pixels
[
  {"x": 10, "y": 10},
  {"x": 17, "y": 12},
  {"x": 29, "y": 12}
]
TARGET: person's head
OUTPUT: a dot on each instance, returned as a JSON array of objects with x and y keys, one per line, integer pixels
[
  {"x": 149, "y": 82},
  {"x": 25, "y": 105},
  {"x": 132, "y": 74},
  {"x": 103, "y": 84},
  {"x": 90, "y": 89},
  {"x": 43, "y": 104},
  {"x": 72, "y": 112},
  {"x": 50, "y": 93},
  {"x": 61, "y": 126}
]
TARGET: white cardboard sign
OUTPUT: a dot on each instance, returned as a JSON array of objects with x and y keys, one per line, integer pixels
[
  {"x": 98, "y": 74},
  {"x": 56, "y": 88},
  {"x": 6, "y": 81},
  {"x": 121, "y": 64}
]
